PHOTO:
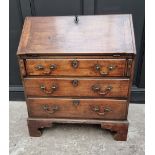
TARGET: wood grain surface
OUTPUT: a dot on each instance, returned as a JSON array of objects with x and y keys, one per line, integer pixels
[
  {"x": 61, "y": 35},
  {"x": 78, "y": 72},
  {"x": 68, "y": 109},
  {"x": 85, "y": 67},
  {"x": 65, "y": 87}
]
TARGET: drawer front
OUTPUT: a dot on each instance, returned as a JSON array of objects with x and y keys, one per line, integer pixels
[
  {"x": 77, "y": 108},
  {"x": 76, "y": 87},
  {"x": 76, "y": 67}
]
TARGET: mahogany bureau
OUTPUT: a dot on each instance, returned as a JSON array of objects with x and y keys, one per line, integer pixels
[{"x": 77, "y": 70}]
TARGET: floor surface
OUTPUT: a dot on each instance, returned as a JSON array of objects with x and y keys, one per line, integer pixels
[{"x": 75, "y": 139}]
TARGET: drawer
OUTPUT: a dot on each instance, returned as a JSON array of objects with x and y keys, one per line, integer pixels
[
  {"x": 77, "y": 108},
  {"x": 76, "y": 67},
  {"x": 76, "y": 87}
]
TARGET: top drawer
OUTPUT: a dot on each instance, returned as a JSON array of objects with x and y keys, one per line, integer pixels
[{"x": 76, "y": 67}]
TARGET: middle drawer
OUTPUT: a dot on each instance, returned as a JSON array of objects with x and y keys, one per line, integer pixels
[{"x": 80, "y": 87}]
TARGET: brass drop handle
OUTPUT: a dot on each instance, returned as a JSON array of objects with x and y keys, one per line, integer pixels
[
  {"x": 75, "y": 63},
  {"x": 51, "y": 68},
  {"x": 109, "y": 68},
  {"x": 51, "y": 109},
  {"x": 104, "y": 73},
  {"x": 53, "y": 88},
  {"x": 106, "y": 91},
  {"x": 97, "y": 88},
  {"x": 39, "y": 67},
  {"x": 99, "y": 110}
]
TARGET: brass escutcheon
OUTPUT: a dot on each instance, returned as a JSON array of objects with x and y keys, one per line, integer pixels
[
  {"x": 76, "y": 102},
  {"x": 75, "y": 63},
  {"x": 75, "y": 83}
]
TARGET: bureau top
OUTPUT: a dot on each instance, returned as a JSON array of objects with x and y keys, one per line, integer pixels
[{"x": 92, "y": 35}]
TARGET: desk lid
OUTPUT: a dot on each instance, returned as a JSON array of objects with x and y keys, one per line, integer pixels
[{"x": 91, "y": 35}]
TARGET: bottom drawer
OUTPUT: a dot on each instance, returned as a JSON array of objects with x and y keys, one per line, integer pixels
[{"x": 77, "y": 108}]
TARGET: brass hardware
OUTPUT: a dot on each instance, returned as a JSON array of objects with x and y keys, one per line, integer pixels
[
  {"x": 55, "y": 107},
  {"x": 106, "y": 91},
  {"x": 76, "y": 20},
  {"x": 97, "y": 88},
  {"x": 39, "y": 67},
  {"x": 75, "y": 83},
  {"x": 76, "y": 102},
  {"x": 47, "y": 72},
  {"x": 53, "y": 88},
  {"x": 42, "y": 87},
  {"x": 109, "y": 68},
  {"x": 106, "y": 109},
  {"x": 53, "y": 66},
  {"x": 104, "y": 73},
  {"x": 98, "y": 67},
  {"x": 100, "y": 110},
  {"x": 75, "y": 63},
  {"x": 51, "y": 109},
  {"x": 96, "y": 108},
  {"x": 45, "y": 107}
]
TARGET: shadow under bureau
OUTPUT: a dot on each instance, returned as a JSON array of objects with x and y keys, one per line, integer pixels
[{"x": 77, "y": 70}]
